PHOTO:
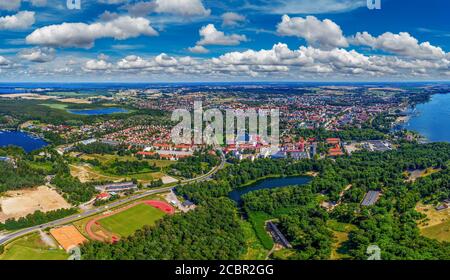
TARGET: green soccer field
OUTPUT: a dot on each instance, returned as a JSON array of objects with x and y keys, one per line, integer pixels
[{"x": 127, "y": 222}]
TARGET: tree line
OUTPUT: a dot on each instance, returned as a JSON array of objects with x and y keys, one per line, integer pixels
[{"x": 37, "y": 218}]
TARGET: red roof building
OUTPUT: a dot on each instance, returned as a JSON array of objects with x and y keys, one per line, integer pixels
[
  {"x": 336, "y": 151},
  {"x": 333, "y": 141},
  {"x": 103, "y": 196}
]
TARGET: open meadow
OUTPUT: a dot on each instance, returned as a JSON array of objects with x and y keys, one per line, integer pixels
[
  {"x": 88, "y": 173},
  {"x": 437, "y": 223},
  {"x": 32, "y": 247}
]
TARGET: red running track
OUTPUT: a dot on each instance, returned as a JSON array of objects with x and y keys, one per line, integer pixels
[{"x": 161, "y": 205}]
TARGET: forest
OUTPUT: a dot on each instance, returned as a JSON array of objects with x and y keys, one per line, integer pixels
[
  {"x": 128, "y": 167},
  {"x": 24, "y": 170},
  {"x": 21, "y": 175},
  {"x": 200, "y": 163},
  {"x": 73, "y": 190},
  {"x": 210, "y": 232},
  {"x": 98, "y": 148},
  {"x": 391, "y": 223}
]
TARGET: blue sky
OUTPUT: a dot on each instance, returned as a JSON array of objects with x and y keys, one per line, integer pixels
[{"x": 160, "y": 40}]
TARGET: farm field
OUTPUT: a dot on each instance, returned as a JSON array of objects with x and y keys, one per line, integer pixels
[
  {"x": 31, "y": 247},
  {"x": 127, "y": 222}
]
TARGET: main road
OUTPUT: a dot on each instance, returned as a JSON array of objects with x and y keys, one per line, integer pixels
[{"x": 6, "y": 238}]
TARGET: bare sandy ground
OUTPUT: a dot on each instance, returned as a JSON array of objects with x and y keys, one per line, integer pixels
[
  {"x": 16, "y": 204},
  {"x": 28, "y": 96},
  {"x": 35, "y": 96},
  {"x": 75, "y": 100},
  {"x": 168, "y": 180},
  {"x": 85, "y": 174},
  {"x": 351, "y": 148}
]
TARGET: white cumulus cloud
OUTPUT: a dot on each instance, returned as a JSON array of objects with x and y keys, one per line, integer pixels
[
  {"x": 97, "y": 65},
  {"x": 324, "y": 34},
  {"x": 232, "y": 19},
  {"x": 402, "y": 44},
  {"x": 182, "y": 7},
  {"x": 39, "y": 55},
  {"x": 84, "y": 35},
  {"x": 21, "y": 20},
  {"x": 211, "y": 36},
  {"x": 198, "y": 49}
]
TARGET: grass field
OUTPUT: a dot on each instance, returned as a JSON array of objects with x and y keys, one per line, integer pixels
[
  {"x": 87, "y": 173},
  {"x": 81, "y": 224},
  {"x": 31, "y": 247},
  {"x": 283, "y": 254},
  {"x": 127, "y": 222},
  {"x": 44, "y": 166},
  {"x": 437, "y": 223},
  {"x": 258, "y": 221},
  {"x": 104, "y": 159},
  {"x": 340, "y": 232},
  {"x": 60, "y": 106},
  {"x": 440, "y": 232},
  {"x": 255, "y": 250}
]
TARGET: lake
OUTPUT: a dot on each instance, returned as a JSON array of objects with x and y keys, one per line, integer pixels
[
  {"x": 269, "y": 184},
  {"x": 17, "y": 138},
  {"x": 432, "y": 119},
  {"x": 96, "y": 112}
]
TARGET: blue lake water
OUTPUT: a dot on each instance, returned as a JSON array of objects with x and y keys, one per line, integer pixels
[
  {"x": 432, "y": 119},
  {"x": 21, "y": 139},
  {"x": 268, "y": 184},
  {"x": 96, "y": 112}
]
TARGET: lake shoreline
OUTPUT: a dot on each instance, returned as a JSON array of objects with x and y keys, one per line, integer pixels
[
  {"x": 431, "y": 120},
  {"x": 23, "y": 139},
  {"x": 271, "y": 180}
]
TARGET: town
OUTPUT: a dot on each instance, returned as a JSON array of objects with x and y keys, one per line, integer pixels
[{"x": 104, "y": 158}]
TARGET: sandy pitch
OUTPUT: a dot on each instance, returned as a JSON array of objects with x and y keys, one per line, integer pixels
[
  {"x": 68, "y": 237},
  {"x": 16, "y": 204}
]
